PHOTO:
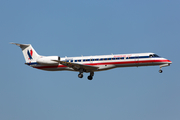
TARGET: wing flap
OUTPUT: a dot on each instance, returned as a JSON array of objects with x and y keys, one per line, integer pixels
[{"x": 76, "y": 65}]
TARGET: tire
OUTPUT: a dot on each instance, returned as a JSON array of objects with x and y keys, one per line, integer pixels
[
  {"x": 160, "y": 71},
  {"x": 80, "y": 75},
  {"x": 90, "y": 77}
]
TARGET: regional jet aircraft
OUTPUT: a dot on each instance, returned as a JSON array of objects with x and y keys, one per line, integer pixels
[{"x": 90, "y": 64}]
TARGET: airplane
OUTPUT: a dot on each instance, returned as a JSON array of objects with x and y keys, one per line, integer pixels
[{"x": 90, "y": 64}]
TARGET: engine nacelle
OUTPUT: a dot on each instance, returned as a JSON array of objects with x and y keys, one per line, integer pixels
[{"x": 48, "y": 60}]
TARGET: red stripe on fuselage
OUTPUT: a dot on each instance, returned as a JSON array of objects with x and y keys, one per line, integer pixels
[{"x": 111, "y": 63}]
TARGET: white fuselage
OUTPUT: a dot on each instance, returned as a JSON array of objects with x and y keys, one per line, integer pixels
[{"x": 105, "y": 62}]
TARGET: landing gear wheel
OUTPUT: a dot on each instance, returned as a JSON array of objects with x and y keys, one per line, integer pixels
[
  {"x": 160, "y": 71},
  {"x": 80, "y": 75},
  {"x": 90, "y": 77}
]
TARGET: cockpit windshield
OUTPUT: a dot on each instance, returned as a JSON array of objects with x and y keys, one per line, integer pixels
[{"x": 153, "y": 55}]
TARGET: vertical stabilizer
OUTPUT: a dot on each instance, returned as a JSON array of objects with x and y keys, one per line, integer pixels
[{"x": 29, "y": 53}]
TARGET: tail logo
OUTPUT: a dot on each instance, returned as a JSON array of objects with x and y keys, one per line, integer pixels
[{"x": 30, "y": 53}]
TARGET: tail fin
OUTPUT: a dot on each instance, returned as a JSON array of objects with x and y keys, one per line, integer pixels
[{"x": 29, "y": 53}]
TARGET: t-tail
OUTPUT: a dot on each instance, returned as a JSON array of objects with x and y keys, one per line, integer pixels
[{"x": 30, "y": 55}]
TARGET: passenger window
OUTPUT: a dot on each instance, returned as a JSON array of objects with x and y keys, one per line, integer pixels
[
  {"x": 96, "y": 59},
  {"x": 75, "y": 60}
]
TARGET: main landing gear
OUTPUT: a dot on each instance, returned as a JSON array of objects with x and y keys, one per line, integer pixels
[
  {"x": 90, "y": 77},
  {"x": 80, "y": 75}
]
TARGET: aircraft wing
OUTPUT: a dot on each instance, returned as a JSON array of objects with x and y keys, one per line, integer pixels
[{"x": 76, "y": 65}]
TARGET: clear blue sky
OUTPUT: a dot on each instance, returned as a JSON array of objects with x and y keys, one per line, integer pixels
[{"x": 94, "y": 27}]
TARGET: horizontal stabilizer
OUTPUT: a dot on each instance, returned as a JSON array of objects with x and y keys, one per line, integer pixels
[{"x": 21, "y": 45}]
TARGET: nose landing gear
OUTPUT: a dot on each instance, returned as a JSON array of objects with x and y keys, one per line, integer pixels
[
  {"x": 164, "y": 65},
  {"x": 160, "y": 71}
]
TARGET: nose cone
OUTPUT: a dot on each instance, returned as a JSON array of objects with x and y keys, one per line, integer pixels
[{"x": 169, "y": 61}]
